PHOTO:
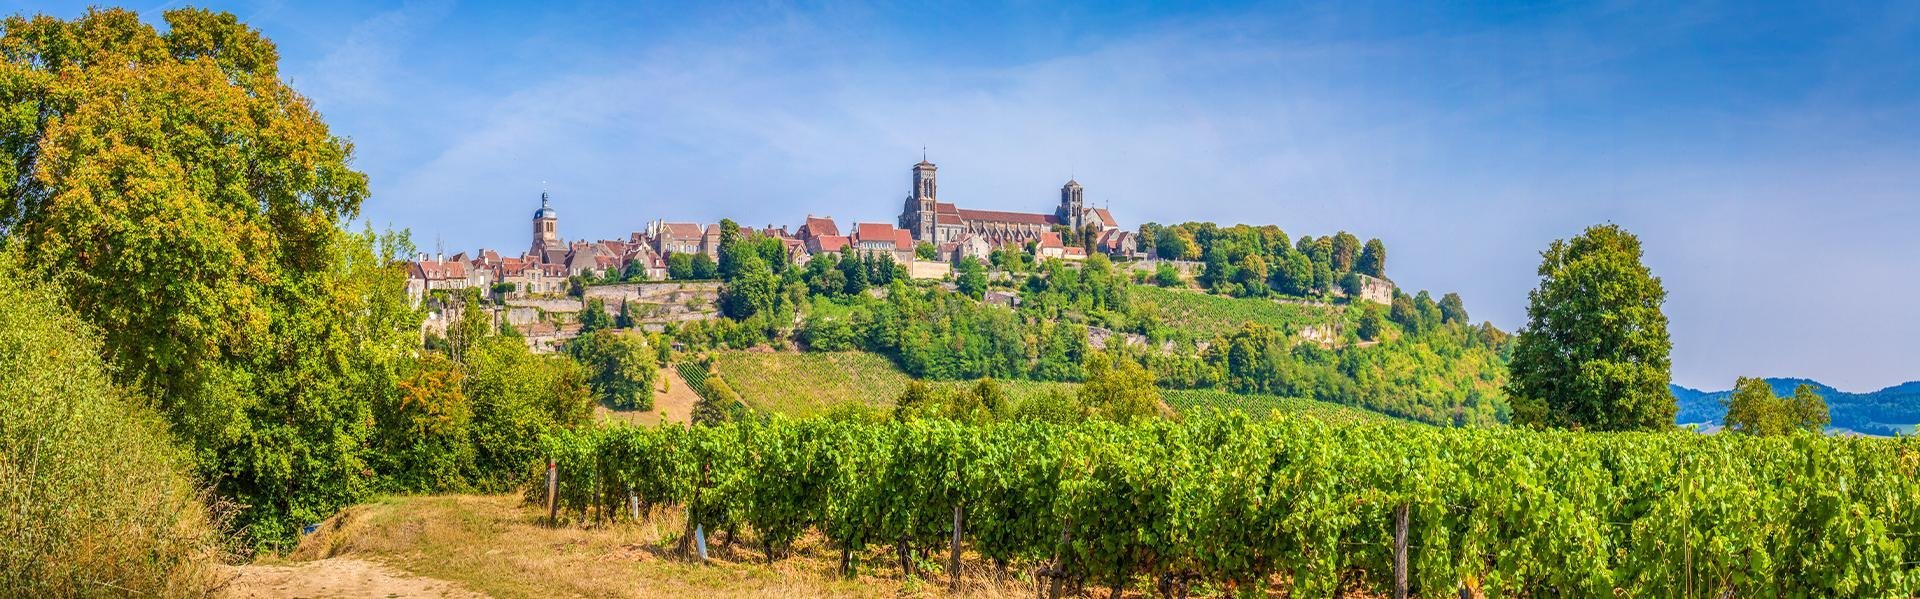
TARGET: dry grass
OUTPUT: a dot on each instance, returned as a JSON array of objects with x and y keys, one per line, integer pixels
[{"x": 499, "y": 546}]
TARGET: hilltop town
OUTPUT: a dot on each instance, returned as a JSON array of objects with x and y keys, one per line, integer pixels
[
  {"x": 929, "y": 238},
  {"x": 927, "y": 241}
]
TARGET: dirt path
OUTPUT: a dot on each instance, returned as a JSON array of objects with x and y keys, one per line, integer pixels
[
  {"x": 675, "y": 402},
  {"x": 333, "y": 577}
]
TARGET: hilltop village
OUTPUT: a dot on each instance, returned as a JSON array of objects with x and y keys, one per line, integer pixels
[{"x": 668, "y": 266}]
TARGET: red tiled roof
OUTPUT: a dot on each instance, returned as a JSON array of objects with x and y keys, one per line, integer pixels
[
  {"x": 945, "y": 208},
  {"x": 1075, "y": 251},
  {"x": 1022, "y": 218},
  {"x": 1050, "y": 239},
  {"x": 817, "y": 226},
  {"x": 903, "y": 239},
  {"x": 680, "y": 230},
  {"x": 947, "y": 219},
  {"x": 873, "y": 232},
  {"x": 1106, "y": 218},
  {"x": 827, "y": 243}
]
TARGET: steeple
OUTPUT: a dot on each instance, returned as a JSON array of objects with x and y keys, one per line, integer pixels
[{"x": 546, "y": 225}]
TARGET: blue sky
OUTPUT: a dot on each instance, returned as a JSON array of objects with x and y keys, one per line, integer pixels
[{"x": 1768, "y": 155}]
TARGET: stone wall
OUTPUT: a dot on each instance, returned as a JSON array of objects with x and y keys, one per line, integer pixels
[
  {"x": 1376, "y": 290},
  {"x": 922, "y": 269},
  {"x": 565, "y": 305}
]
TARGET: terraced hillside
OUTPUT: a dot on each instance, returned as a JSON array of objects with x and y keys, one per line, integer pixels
[
  {"x": 807, "y": 383},
  {"x": 1187, "y": 401},
  {"x": 1203, "y": 316}
]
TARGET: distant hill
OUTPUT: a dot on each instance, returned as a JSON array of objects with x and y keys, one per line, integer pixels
[{"x": 1884, "y": 412}]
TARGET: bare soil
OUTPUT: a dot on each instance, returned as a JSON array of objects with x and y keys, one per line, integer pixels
[{"x": 332, "y": 577}]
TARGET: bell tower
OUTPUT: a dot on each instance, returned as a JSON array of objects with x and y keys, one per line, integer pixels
[
  {"x": 546, "y": 229},
  {"x": 1072, "y": 203},
  {"x": 918, "y": 216}
]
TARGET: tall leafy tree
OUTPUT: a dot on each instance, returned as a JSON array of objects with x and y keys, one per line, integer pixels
[
  {"x": 620, "y": 367},
  {"x": 1594, "y": 353},
  {"x": 1346, "y": 252},
  {"x": 1452, "y": 309},
  {"x": 1373, "y": 259},
  {"x": 973, "y": 278},
  {"x": 189, "y": 202}
]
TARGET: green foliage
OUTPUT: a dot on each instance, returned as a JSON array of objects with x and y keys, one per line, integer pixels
[
  {"x": 1373, "y": 260},
  {"x": 1372, "y": 323},
  {"x": 1294, "y": 505},
  {"x": 1180, "y": 314},
  {"x": 1199, "y": 402},
  {"x": 593, "y": 316},
  {"x": 972, "y": 281},
  {"x": 1452, "y": 310},
  {"x": 620, "y": 367},
  {"x": 423, "y": 433},
  {"x": 516, "y": 396},
  {"x": 925, "y": 251},
  {"x": 95, "y": 498},
  {"x": 1594, "y": 353},
  {"x": 1165, "y": 275},
  {"x": 812, "y": 383},
  {"x": 679, "y": 267},
  {"x": 1753, "y": 409},
  {"x": 189, "y": 205},
  {"x": 702, "y": 267},
  {"x": 1119, "y": 390}
]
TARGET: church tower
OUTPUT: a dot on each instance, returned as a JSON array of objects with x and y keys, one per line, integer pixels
[
  {"x": 918, "y": 215},
  {"x": 1071, "y": 204},
  {"x": 546, "y": 232}
]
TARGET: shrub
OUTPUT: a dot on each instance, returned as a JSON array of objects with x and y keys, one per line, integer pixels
[{"x": 94, "y": 497}]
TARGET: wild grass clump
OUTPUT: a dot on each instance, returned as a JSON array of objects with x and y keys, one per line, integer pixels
[{"x": 94, "y": 496}]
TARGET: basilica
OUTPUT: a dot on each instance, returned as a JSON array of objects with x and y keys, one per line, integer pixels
[{"x": 941, "y": 223}]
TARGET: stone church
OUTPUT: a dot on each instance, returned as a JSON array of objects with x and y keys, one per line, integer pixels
[{"x": 930, "y": 220}]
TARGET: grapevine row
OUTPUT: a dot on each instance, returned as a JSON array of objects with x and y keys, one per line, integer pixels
[{"x": 1242, "y": 504}]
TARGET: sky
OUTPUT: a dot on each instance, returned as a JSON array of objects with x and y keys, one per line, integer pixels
[{"x": 1767, "y": 155}]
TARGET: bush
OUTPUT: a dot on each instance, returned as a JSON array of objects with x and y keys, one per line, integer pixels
[{"x": 94, "y": 497}]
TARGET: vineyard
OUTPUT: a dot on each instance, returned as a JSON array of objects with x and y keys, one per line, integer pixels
[
  {"x": 1203, "y": 316},
  {"x": 1199, "y": 401},
  {"x": 1219, "y": 504},
  {"x": 802, "y": 384}
]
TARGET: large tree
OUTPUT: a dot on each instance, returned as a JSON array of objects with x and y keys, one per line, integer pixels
[
  {"x": 189, "y": 203},
  {"x": 1594, "y": 353},
  {"x": 1373, "y": 259},
  {"x": 1754, "y": 409}
]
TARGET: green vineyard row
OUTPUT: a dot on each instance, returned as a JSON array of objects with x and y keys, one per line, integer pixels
[{"x": 1297, "y": 504}]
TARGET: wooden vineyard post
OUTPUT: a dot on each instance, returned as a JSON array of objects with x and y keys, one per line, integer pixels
[
  {"x": 553, "y": 498},
  {"x": 953, "y": 554},
  {"x": 633, "y": 503},
  {"x": 1400, "y": 552}
]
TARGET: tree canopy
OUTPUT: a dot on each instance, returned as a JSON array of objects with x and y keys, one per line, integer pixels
[
  {"x": 1594, "y": 353},
  {"x": 1753, "y": 409}
]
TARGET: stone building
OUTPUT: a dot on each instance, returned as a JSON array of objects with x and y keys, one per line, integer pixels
[{"x": 928, "y": 219}]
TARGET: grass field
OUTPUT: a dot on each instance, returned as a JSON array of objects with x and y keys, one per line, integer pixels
[
  {"x": 808, "y": 383},
  {"x": 1205, "y": 316}
]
